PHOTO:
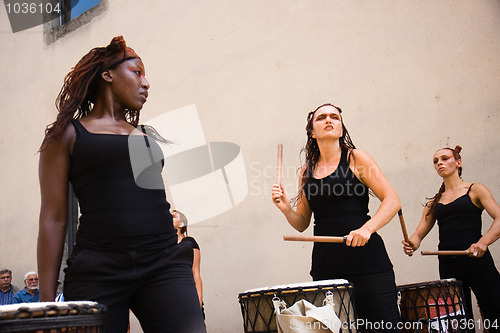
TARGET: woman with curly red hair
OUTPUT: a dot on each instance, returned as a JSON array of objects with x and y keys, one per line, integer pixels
[{"x": 126, "y": 254}]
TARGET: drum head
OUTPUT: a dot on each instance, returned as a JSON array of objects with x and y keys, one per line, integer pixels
[{"x": 56, "y": 316}]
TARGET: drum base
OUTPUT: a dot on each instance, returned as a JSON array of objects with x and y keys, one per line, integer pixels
[{"x": 435, "y": 306}]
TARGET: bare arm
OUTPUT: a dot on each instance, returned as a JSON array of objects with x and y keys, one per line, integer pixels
[
  {"x": 197, "y": 275},
  {"x": 424, "y": 227},
  {"x": 299, "y": 218},
  {"x": 483, "y": 198},
  {"x": 368, "y": 172},
  {"x": 53, "y": 174}
]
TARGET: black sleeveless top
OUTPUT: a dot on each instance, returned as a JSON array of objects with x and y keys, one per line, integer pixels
[
  {"x": 191, "y": 240},
  {"x": 459, "y": 223},
  {"x": 117, "y": 181},
  {"x": 340, "y": 204}
]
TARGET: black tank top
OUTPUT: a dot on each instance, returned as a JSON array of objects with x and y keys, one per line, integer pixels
[
  {"x": 339, "y": 202},
  {"x": 119, "y": 211},
  {"x": 459, "y": 223}
]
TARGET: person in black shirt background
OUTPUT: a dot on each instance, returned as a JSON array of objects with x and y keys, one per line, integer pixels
[{"x": 180, "y": 224}]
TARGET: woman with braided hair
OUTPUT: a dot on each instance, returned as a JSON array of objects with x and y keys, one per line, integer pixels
[
  {"x": 457, "y": 207},
  {"x": 334, "y": 185},
  {"x": 126, "y": 254}
]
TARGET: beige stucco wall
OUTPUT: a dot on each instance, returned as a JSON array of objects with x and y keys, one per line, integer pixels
[{"x": 411, "y": 76}]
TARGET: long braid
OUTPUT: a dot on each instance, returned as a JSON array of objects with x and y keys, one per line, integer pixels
[{"x": 431, "y": 203}]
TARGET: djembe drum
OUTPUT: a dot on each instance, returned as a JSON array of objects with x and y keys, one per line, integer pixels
[
  {"x": 435, "y": 306},
  {"x": 53, "y": 317},
  {"x": 258, "y": 310}
]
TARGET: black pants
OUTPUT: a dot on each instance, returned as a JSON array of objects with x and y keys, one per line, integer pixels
[
  {"x": 376, "y": 301},
  {"x": 480, "y": 275},
  {"x": 158, "y": 287}
]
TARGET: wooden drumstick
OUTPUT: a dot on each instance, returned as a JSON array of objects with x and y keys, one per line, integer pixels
[
  {"x": 278, "y": 167},
  {"x": 444, "y": 253},
  {"x": 316, "y": 239},
  {"x": 403, "y": 226}
]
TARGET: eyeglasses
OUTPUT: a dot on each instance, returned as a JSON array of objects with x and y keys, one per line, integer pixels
[
  {"x": 35, "y": 279},
  {"x": 6, "y": 277}
]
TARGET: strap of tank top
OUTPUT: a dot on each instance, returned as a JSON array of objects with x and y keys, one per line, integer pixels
[
  {"x": 79, "y": 128},
  {"x": 469, "y": 188}
]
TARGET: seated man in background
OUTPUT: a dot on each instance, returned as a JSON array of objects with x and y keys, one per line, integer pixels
[
  {"x": 7, "y": 290},
  {"x": 30, "y": 293}
]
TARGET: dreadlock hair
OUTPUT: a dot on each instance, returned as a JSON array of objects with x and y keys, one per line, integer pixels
[
  {"x": 432, "y": 201},
  {"x": 311, "y": 148},
  {"x": 79, "y": 91}
]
